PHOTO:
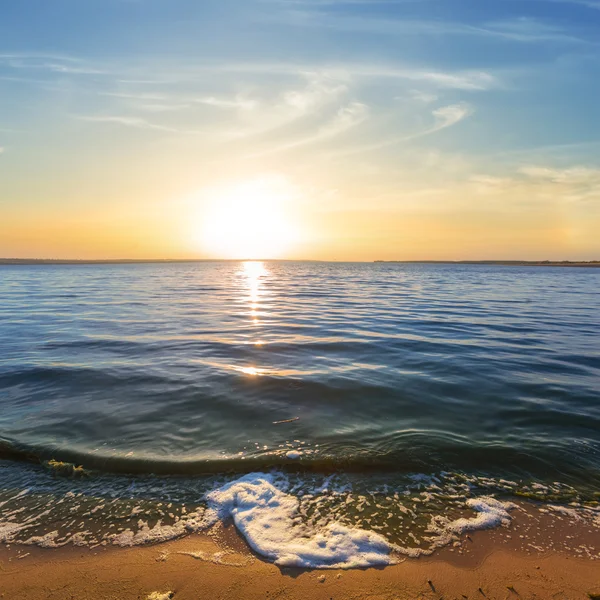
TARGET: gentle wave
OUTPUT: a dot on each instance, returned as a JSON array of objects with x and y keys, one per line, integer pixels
[{"x": 420, "y": 451}]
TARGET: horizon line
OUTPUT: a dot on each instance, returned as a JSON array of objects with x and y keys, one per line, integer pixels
[{"x": 83, "y": 261}]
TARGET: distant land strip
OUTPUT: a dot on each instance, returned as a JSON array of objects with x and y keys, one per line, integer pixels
[
  {"x": 507, "y": 263},
  {"x": 133, "y": 261}
]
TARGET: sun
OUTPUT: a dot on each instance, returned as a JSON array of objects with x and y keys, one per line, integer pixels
[{"x": 250, "y": 220}]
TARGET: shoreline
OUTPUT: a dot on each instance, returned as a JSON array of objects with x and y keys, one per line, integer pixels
[
  {"x": 536, "y": 557},
  {"x": 219, "y": 565}
]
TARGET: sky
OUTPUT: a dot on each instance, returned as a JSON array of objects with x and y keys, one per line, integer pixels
[{"x": 301, "y": 129}]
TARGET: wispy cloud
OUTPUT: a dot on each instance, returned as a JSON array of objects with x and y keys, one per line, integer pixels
[
  {"x": 421, "y": 96},
  {"x": 518, "y": 29},
  {"x": 314, "y": 93},
  {"x": 346, "y": 118},
  {"x": 444, "y": 117},
  {"x": 594, "y": 4},
  {"x": 320, "y": 89},
  {"x": 146, "y": 96},
  {"x": 325, "y": 77},
  {"x": 136, "y": 122},
  {"x": 54, "y": 63},
  {"x": 465, "y": 79},
  {"x": 162, "y": 107},
  {"x": 160, "y": 102},
  {"x": 526, "y": 29},
  {"x": 37, "y": 56},
  {"x": 571, "y": 175},
  {"x": 533, "y": 184},
  {"x": 471, "y": 80}
]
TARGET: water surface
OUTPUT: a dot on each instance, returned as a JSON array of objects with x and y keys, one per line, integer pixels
[{"x": 379, "y": 372}]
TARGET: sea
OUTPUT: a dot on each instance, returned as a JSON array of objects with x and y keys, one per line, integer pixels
[{"x": 339, "y": 414}]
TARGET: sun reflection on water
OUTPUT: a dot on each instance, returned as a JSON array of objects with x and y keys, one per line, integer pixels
[
  {"x": 254, "y": 272},
  {"x": 250, "y": 371}
]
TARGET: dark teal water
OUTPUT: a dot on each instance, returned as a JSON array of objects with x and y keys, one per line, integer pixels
[
  {"x": 184, "y": 368},
  {"x": 417, "y": 386}
]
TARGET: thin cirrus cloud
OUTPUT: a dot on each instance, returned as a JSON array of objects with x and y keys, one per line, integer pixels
[
  {"x": 157, "y": 102},
  {"x": 574, "y": 187},
  {"x": 444, "y": 117},
  {"x": 312, "y": 98},
  {"x": 53, "y": 63},
  {"x": 570, "y": 175},
  {"x": 236, "y": 103},
  {"x": 162, "y": 107},
  {"x": 593, "y": 4},
  {"x": 346, "y": 118},
  {"x": 312, "y": 94},
  {"x": 526, "y": 29},
  {"x": 320, "y": 88},
  {"x": 467, "y": 79},
  {"x": 519, "y": 29},
  {"x": 254, "y": 116},
  {"x": 135, "y": 122},
  {"x": 180, "y": 72},
  {"x": 420, "y": 96},
  {"x": 462, "y": 79}
]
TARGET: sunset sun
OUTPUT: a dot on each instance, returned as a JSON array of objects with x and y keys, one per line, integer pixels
[{"x": 249, "y": 220}]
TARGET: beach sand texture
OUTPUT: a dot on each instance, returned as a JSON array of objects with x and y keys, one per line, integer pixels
[{"x": 496, "y": 564}]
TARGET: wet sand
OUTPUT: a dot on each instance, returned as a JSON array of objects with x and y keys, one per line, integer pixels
[{"x": 501, "y": 564}]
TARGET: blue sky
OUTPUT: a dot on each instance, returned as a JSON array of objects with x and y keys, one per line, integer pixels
[{"x": 429, "y": 112}]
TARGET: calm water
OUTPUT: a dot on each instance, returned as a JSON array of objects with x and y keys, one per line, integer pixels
[{"x": 386, "y": 369}]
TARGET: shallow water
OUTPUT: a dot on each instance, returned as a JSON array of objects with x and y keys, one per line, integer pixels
[{"x": 382, "y": 371}]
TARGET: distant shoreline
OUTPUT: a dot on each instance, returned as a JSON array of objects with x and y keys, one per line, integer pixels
[
  {"x": 505, "y": 263},
  {"x": 132, "y": 261}
]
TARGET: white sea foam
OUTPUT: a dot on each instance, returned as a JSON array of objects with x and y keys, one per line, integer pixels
[
  {"x": 160, "y": 532},
  {"x": 269, "y": 520},
  {"x": 563, "y": 510},
  {"x": 49, "y": 540},
  {"x": 294, "y": 520},
  {"x": 19, "y": 495},
  {"x": 8, "y": 530},
  {"x": 490, "y": 513}
]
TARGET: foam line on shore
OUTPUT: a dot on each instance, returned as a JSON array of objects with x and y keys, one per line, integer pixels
[
  {"x": 290, "y": 519},
  {"x": 268, "y": 518}
]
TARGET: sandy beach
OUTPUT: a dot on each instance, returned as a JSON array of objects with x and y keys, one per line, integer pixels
[{"x": 499, "y": 564}]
